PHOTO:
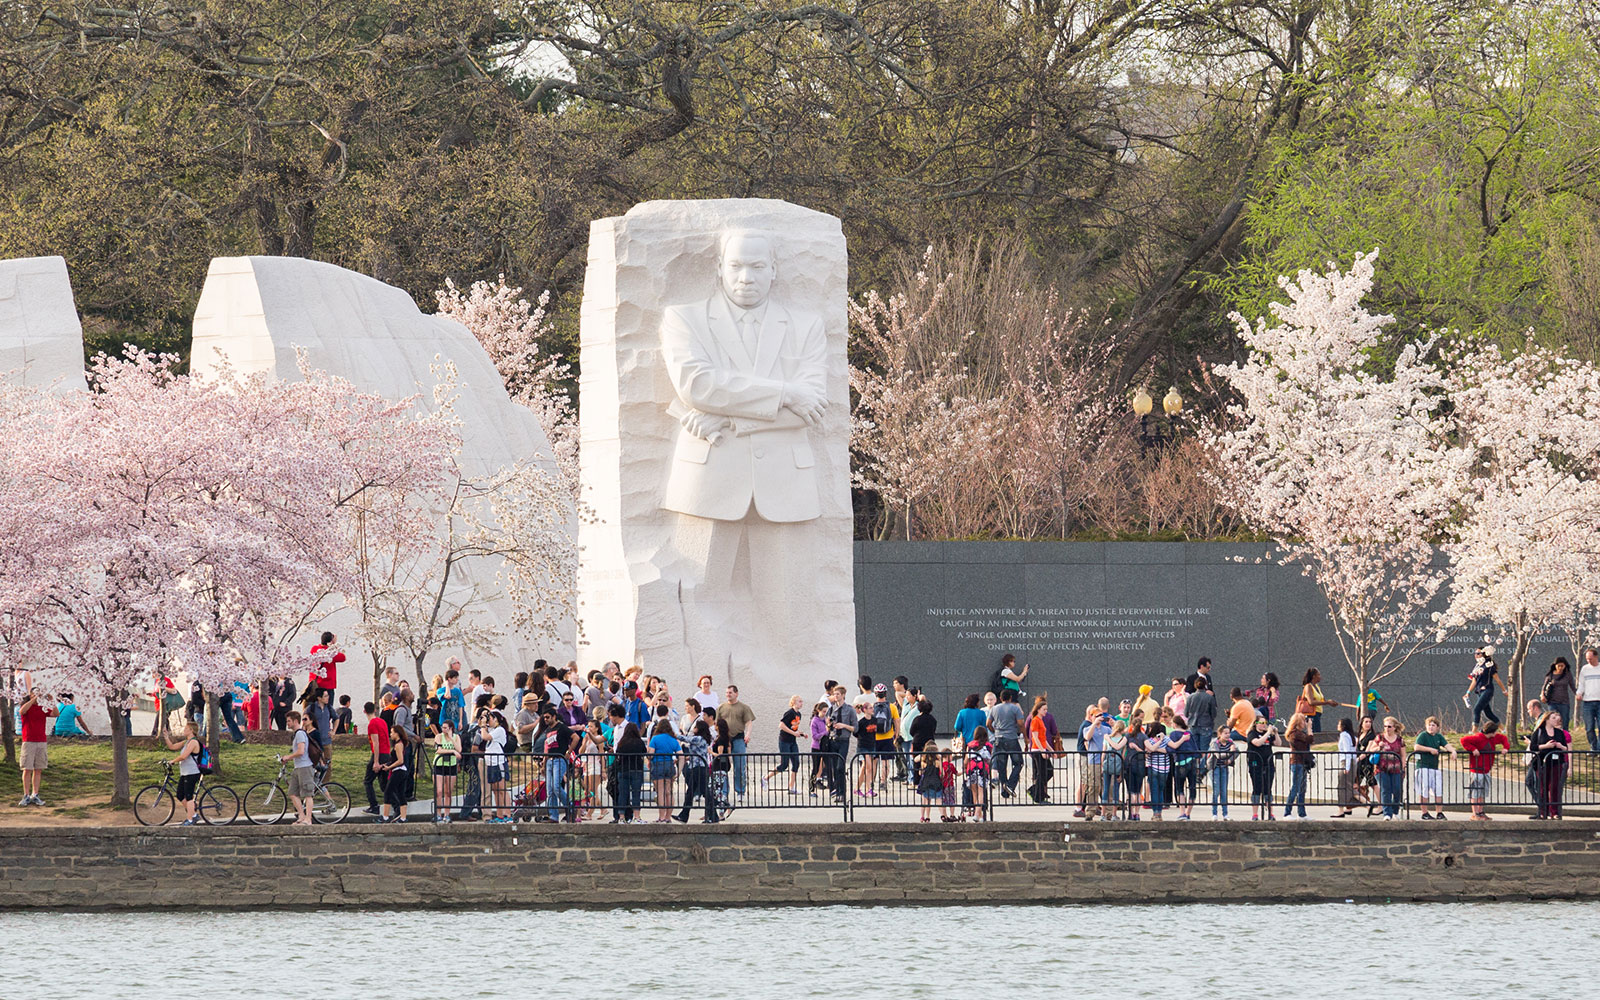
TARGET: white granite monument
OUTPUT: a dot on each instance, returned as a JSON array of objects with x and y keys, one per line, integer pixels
[
  {"x": 257, "y": 310},
  {"x": 715, "y": 449},
  {"x": 41, "y": 340}
]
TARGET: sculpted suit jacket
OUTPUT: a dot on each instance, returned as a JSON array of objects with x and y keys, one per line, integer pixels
[{"x": 766, "y": 456}]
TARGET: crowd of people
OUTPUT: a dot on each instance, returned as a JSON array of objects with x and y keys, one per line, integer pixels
[{"x": 558, "y": 738}]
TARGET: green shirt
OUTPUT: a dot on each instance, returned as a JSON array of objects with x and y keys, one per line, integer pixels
[{"x": 1435, "y": 740}]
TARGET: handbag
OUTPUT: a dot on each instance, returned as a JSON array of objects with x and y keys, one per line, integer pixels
[{"x": 1304, "y": 706}]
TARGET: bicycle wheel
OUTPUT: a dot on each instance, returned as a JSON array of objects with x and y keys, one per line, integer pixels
[
  {"x": 723, "y": 804},
  {"x": 265, "y": 803},
  {"x": 218, "y": 805},
  {"x": 331, "y": 804},
  {"x": 153, "y": 806}
]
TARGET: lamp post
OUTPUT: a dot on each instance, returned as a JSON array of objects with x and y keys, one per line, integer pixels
[{"x": 1153, "y": 434}]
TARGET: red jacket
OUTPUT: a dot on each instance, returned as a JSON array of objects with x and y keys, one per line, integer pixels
[{"x": 326, "y": 673}]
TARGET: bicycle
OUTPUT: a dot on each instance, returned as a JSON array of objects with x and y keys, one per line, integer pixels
[
  {"x": 215, "y": 805},
  {"x": 266, "y": 802}
]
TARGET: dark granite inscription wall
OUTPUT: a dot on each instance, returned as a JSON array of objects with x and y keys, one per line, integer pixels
[{"x": 1096, "y": 619}]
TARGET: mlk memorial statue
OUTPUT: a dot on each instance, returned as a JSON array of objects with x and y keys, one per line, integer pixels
[{"x": 716, "y": 536}]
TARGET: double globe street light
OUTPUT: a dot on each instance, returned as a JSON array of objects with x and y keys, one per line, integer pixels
[{"x": 1155, "y": 435}]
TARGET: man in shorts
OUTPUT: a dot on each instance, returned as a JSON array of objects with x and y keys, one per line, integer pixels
[
  {"x": 1481, "y": 748},
  {"x": 302, "y": 779},
  {"x": 35, "y": 757},
  {"x": 1430, "y": 746}
]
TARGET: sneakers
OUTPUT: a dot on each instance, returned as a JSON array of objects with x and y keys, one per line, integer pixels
[
  {"x": 27, "y": 800},
  {"x": 370, "y": 811},
  {"x": 187, "y": 822},
  {"x": 38, "y": 801}
]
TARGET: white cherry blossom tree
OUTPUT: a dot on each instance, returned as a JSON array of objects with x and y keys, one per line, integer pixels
[
  {"x": 1523, "y": 556},
  {"x": 1344, "y": 463}
]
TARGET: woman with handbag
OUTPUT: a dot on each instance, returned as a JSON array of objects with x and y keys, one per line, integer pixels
[
  {"x": 1311, "y": 702},
  {"x": 1558, "y": 690}
]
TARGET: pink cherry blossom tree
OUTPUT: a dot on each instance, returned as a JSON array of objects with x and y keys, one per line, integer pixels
[
  {"x": 517, "y": 337},
  {"x": 425, "y": 584},
  {"x": 173, "y": 516},
  {"x": 1523, "y": 555},
  {"x": 1346, "y": 466}
]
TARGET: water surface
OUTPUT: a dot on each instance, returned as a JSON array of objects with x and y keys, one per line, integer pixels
[{"x": 1195, "y": 952}]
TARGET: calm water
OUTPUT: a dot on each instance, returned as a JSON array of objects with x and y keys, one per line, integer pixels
[{"x": 1193, "y": 952}]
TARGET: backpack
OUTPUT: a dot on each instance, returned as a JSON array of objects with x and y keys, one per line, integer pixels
[
  {"x": 1111, "y": 763},
  {"x": 996, "y": 682},
  {"x": 204, "y": 761},
  {"x": 882, "y": 721}
]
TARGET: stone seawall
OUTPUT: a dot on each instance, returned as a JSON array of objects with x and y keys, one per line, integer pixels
[{"x": 537, "y": 865}]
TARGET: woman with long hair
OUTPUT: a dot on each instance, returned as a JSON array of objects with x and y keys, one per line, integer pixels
[
  {"x": 446, "y": 758},
  {"x": 1347, "y": 768},
  {"x": 1038, "y": 737},
  {"x": 1133, "y": 769},
  {"x": 1389, "y": 746},
  {"x": 1311, "y": 701},
  {"x": 1298, "y": 736},
  {"x": 629, "y": 767},
  {"x": 1268, "y": 692},
  {"x": 1558, "y": 690},
  {"x": 1550, "y": 743}
]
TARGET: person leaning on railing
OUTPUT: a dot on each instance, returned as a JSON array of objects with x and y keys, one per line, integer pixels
[
  {"x": 1481, "y": 749},
  {"x": 1389, "y": 746}
]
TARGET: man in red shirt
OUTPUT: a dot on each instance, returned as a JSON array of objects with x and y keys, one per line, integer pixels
[
  {"x": 378, "y": 762},
  {"x": 1482, "y": 748},
  {"x": 326, "y": 673},
  {"x": 34, "y": 757}
]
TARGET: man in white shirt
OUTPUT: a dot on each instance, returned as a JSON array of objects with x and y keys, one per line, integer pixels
[{"x": 1589, "y": 695}]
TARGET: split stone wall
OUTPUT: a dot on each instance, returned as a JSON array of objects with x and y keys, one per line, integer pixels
[{"x": 249, "y": 868}]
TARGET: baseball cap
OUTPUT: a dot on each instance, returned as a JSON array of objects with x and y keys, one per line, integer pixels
[{"x": 631, "y": 686}]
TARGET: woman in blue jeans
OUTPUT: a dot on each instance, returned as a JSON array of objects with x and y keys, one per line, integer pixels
[
  {"x": 1390, "y": 748},
  {"x": 1111, "y": 770},
  {"x": 629, "y": 765},
  {"x": 1298, "y": 736}
]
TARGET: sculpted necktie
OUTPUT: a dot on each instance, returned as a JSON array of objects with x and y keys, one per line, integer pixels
[{"x": 747, "y": 333}]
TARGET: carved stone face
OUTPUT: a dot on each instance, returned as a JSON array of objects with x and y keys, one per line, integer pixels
[{"x": 747, "y": 269}]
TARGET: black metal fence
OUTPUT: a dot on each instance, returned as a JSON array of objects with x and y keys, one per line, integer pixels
[{"x": 979, "y": 786}]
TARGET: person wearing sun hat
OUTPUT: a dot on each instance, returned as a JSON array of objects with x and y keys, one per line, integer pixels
[{"x": 1145, "y": 705}]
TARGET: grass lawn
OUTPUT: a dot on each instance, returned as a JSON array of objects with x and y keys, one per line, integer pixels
[{"x": 78, "y": 781}]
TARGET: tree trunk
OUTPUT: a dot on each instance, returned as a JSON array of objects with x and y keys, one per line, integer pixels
[
  {"x": 377, "y": 675},
  {"x": 6, "y": 730},
  {"x": 422, "y": 683},
  {"x": 120, "y": 794},
  {"x": 1514, "y": 678},
  {"x": 214, "y": 726}
]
